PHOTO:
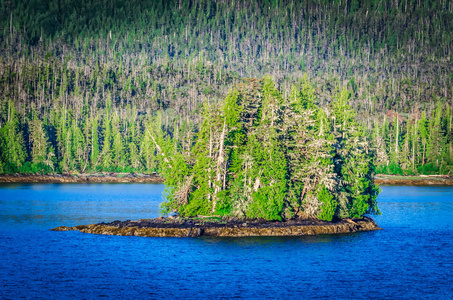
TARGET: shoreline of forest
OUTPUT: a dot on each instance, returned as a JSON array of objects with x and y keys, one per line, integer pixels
[
  {"x": 82, "y": 178},
  {"x": 423, "y": 180},
  {"x": 220, "y": 227}
]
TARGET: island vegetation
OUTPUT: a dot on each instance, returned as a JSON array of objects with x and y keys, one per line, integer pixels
[{"x": 259, "y": 155}]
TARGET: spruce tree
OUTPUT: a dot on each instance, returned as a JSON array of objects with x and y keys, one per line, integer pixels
[
  {"x": 266, "y": 175},
  {"x": 94, "y": 150},
  {"x": 132, "y": 147},
  {"x": 120, "y": 158},
  {"x": 79, "y": 149},
  {"x": 12, "y": 142},
  {"x": 106, "y": 153},
  {"x": 354, "y": 162},
  {"x": 423, "y": 134},
  {"x": 40, "y": 147},
  {"x": 435, "y": 151}
]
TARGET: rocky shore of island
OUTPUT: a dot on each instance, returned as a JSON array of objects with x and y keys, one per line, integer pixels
[{"x": 224, "y": 227}]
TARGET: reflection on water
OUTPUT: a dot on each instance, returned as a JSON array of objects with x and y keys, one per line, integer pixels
[
  {"x": 410, "y": 258},
  {"x": 286, "y": 240}
]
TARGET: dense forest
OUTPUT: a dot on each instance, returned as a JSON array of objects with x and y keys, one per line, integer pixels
[
  {"x": 90, "y": 86},
  {"x": 259, "y": 155}
]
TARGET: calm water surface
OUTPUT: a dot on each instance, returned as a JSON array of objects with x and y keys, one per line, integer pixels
[{"x": 411, "y": 258}]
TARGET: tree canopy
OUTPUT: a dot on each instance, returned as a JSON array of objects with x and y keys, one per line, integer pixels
[{"x": 260, "y": 155}]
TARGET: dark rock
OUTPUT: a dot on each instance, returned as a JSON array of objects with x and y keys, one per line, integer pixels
[{"x": 170, "y": 227}]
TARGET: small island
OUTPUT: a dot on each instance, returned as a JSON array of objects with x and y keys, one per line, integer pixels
[
  {"x": 265, "y": 165},
  {"x": 223, "y": 227}
]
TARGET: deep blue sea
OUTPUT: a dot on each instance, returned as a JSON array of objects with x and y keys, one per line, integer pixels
[{"x": 411, "y": 258}]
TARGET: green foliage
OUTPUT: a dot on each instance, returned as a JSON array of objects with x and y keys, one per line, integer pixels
[
  {"x": 328, "y": 204},
  {"x": 262, "y": 156},
  {"x": 419, "y": 144},
  {"x": 354, "y": 160},
  {"x": 94, "y": 153},
  {"x": 12, "y": 143},
  {"x": 268, "y": 177}
]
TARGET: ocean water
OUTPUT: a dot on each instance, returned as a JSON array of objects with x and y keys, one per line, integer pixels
[{"x": 411, "y": 258}]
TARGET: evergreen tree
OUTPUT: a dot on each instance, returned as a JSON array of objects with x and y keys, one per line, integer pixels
[
  {"x": 79, "y": 149},
  {"x": 423, "y": 134},
  {"x": 120, "y": 158},
  {"x": 148, "y": 151},
  {"x": 12, "y": 142},
  {"x": 133, "y": 150},
  {"x": 41, "y": 150},
  {"x": 354, "y": 161},
  {"x": 94, "y": 151},
  {"x": 267, "y": 174},
  {"x": 38, "y": 141},
  {"x": 106, "y": 153},
  {"x": 309, "y": 153},
  {"x": 436, "y": 141},
  {"x": 64, "y": 138}
]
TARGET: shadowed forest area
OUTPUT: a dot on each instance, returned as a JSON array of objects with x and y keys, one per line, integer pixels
[{"x": 91, "y": 86}]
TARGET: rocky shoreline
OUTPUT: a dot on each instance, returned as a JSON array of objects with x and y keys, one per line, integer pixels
[
  {"x": 83, "y": 178},
  {"x": 176, "y": 227},
  {"x": 154, "y": 178},
  {"x": 414, "y": 180}
]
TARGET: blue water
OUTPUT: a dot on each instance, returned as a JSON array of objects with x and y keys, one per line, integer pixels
[{"x": 411, "y": 258}]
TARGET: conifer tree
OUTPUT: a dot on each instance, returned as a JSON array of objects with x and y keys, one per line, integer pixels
[
  {"x": 200, "y": 185},
  {"x": 310, "y": 153},
  {"x": 132, "y": 145},
  {"x": 148, "y": 151},
  {"x": 354, "y": 162},
  {"x": 79, "y": 148},
  {"x": 40, "y": 147},
  {"x": 436, "y": 141},
  {"x": 12, "y": 142},
  {"x": 94, "y": 151},
  {"x": 64, "y": 138},
  {"x": 106, "y": 153},
  {"x": 267, "y": 174},
  {"x": 120, "y": 158},
  {"x": 423, "y": 134},
  {"x": 38, "y": 141}
]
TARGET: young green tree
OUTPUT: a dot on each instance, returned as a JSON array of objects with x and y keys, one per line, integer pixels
[
  {"x": 79, "y": 149},
  {"x": 120, "y": 157},
  {"x": 423, "y": 134},
  {"x": 132, "y": 145},
  {"x": 106, "y": 153},
  {"x": 435, "y": 151},
  {"x": 266, "y": 174},
  {"x": 12, "y": 142},
  {"x": 42, "y": 152},
  {"x": 94, "y": 145}
]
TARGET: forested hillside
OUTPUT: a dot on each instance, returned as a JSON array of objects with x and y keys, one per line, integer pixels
[{"x": 91, "y": 86}]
